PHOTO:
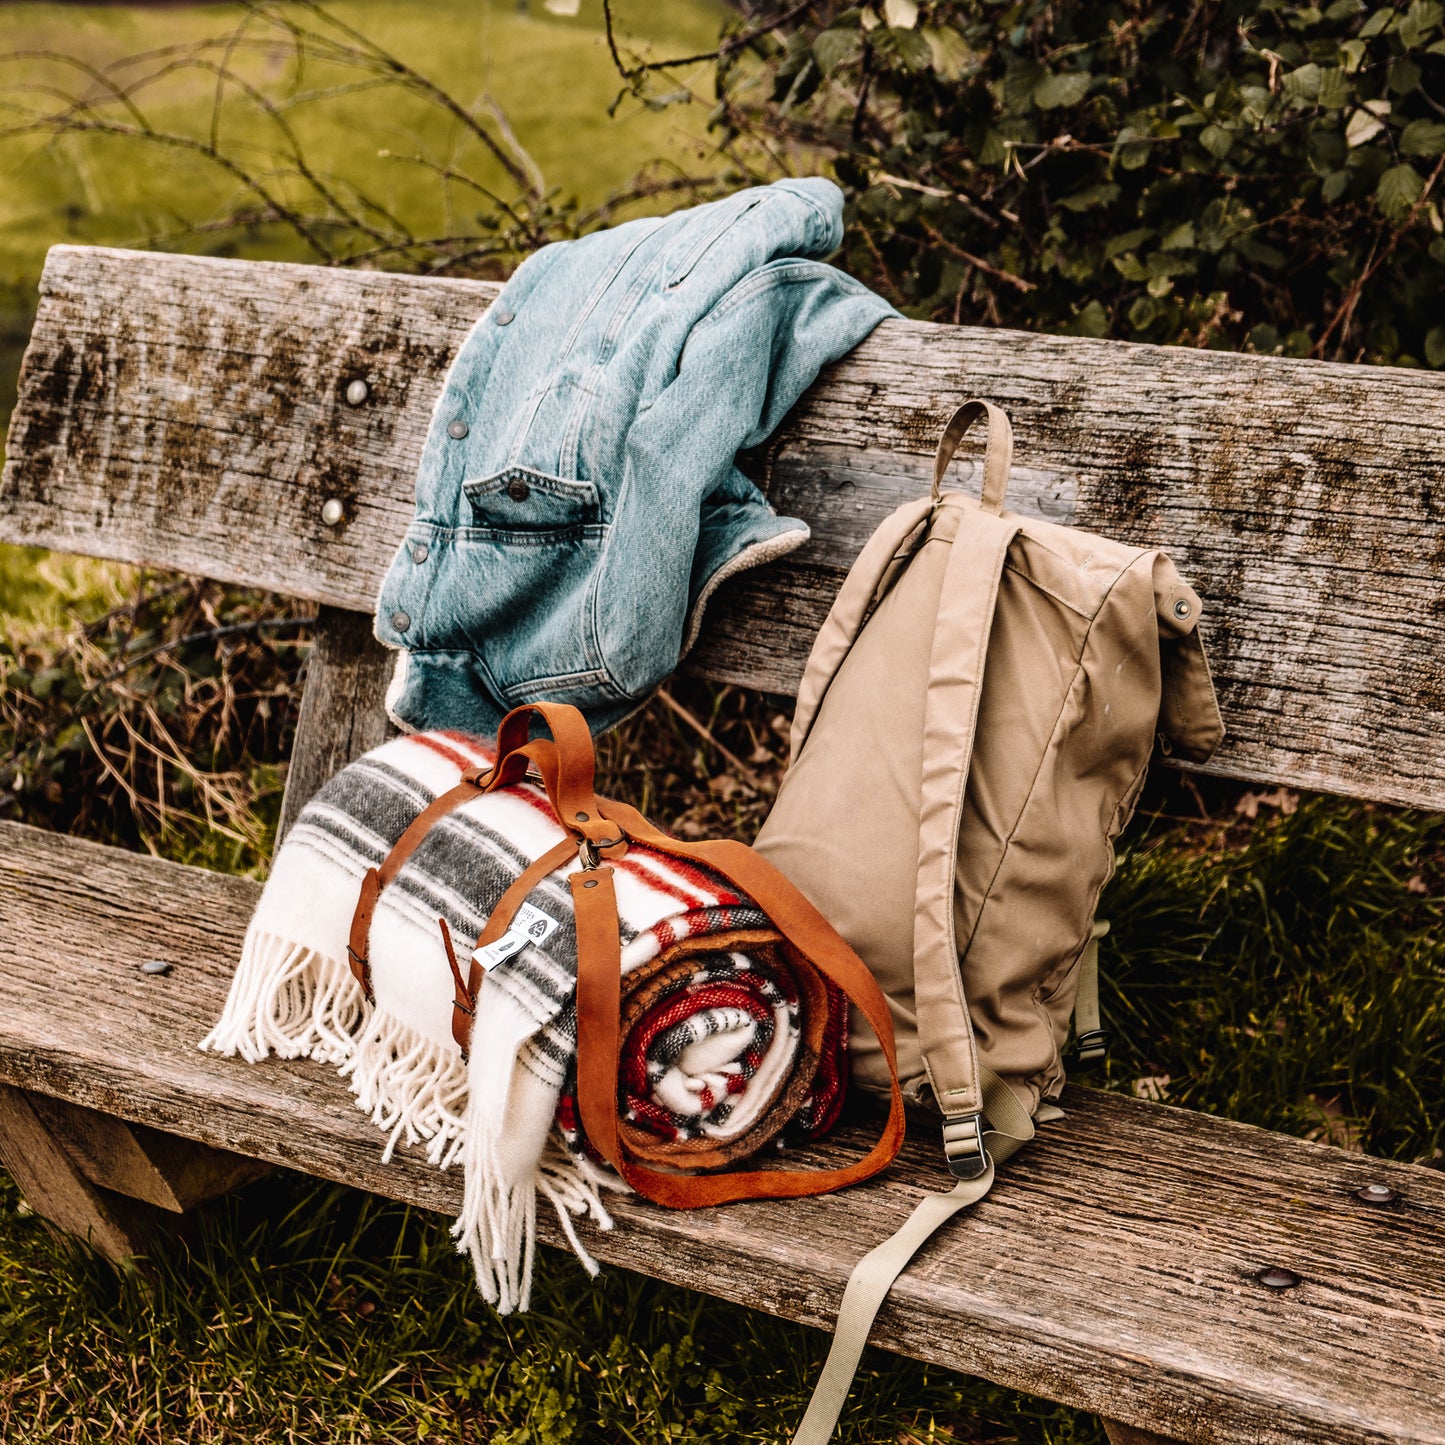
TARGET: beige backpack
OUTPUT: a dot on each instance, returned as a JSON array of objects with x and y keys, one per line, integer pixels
[{"x": 972, "y": 733}]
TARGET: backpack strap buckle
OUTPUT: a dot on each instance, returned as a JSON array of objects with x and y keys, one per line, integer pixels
[
  {"x": 1091, "y": 1047},
  {"x": 963, "y": 1146}
]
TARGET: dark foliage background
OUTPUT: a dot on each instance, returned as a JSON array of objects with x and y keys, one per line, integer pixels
[{"x": 1252, "y": 174}]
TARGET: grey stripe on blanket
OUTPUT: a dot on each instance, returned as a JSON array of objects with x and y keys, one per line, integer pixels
[{"x": 293, "y": 995}]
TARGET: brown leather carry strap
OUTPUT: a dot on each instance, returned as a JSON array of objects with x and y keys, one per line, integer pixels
[
  {"x": 464, "y": 1005},
  {"x": 359, "y": 944},
  {"x": 601, "y": 829},
  {"x": 806, "y": 929}
]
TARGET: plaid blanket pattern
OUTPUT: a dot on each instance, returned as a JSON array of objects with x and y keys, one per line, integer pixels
[{"x": 711, "y": 1057}]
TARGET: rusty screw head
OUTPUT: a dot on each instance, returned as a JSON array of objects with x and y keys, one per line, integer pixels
[
  {"x": 356, "y": 392},
  {"x": 1376, "y": 1194},
  {"x": 1277, "y": 1278},
  {"x": 155, "y": 965},
  {"x": 333, "y": 511}
]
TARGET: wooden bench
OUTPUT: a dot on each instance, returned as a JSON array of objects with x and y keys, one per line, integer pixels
[{"x": 199, "y": 415}]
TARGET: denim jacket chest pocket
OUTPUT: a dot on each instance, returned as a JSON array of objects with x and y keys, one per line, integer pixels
[
  {"x": 522, "y": 505},
  {"x": 544, "y": 534}
]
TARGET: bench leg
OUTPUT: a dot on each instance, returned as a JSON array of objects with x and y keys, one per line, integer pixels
[
  {"x": 1120, "y": 1434},
  {"x": 55, "y": 1188},
  {"x": 107, "y": 1182}
]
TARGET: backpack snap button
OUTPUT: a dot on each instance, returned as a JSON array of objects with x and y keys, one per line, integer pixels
[
  {"x": 518, "y": 491},
  {"x": 401, "y": 621},
  {"x": 457, "y": 429},
  {"x": 1182, "y": 609},
  {"x": 419, "y": 553},
  {"x": 503, "y": 317}
]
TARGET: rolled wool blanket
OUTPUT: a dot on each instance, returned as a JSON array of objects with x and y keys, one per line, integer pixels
[{"x": 730, "y": 1040}]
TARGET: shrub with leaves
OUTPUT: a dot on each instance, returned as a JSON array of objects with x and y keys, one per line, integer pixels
[{"x": 1256, "y": 174}]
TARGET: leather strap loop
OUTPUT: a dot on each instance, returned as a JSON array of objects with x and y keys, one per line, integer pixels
[{"x": 997, "y": 457}]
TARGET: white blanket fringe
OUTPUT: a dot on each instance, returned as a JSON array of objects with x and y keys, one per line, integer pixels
[{"x": 294, "y": 1002}]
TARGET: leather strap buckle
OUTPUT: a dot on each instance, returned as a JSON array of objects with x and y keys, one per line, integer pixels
[
  {"x": 589, "y": 854},
  {"x": 963, "y": 1146}
]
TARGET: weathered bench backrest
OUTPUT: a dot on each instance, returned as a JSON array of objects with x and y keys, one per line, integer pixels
[{"x": 194, "y": 414}]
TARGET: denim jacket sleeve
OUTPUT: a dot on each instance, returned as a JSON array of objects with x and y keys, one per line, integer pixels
[{"x": 577, "y": 498}]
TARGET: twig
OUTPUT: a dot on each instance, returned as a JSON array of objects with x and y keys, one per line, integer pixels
[
  {"x": 1347, "y": 307},
  {"x": 696, "y": 723},
  {"x": 979, "y": 262},
  {"x": 725, "y": 48}
]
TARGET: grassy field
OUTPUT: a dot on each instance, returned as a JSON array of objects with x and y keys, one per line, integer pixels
[
  {"x": 376, "y": 147},
  {"x": 549, "y": 75}
]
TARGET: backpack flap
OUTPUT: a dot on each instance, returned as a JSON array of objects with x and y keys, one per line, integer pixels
[{"x": 1190, "y": 724}]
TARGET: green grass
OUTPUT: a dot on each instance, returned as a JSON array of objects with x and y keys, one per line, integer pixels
[
  {"x": 551, "y": 76},
  {"x": 306, "y": 1312}
]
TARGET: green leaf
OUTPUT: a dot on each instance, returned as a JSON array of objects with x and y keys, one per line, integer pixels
[
  {"x": 952, "y": 56},
  {"x": 1334, "y": 186},
  {"x": 1398, "y": 190},
  {"x": 834, "y": 48},
  {"x": 1090, "y": 197},
  {"x": 1216, "y": 140},
  {"x": 1435, "y": 346},
  {"x": 1335, "y": 91},
  {"x": 1303, "y": 83},
  {"x": 1129, "y": 241},
  {"x": 1404, "y": 77},
  {"x": 1019, "y": 81},
  {"x": 1352, "y": 52},
  {"x": 1181, "y": 238},
  {"x": 908, "y": 46},
  {"x": 1143, "y": 312},
  {"x": 1423, "y": 138},
  {"x": 1376, "y": 24},
  {"x": 993, "y": 149},
  {"x": 1264, "y": 339},
  {"x": 1093, "y": 320},
  {"x": 1366, "y": 123},
  {"x": 1417, "y": 22},
  {"x": 1056, "y": 91}
]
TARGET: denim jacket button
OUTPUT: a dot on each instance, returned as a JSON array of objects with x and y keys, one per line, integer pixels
[
  {"x": 401, "y": 621},
  {"x": 419, "y": 552},
  {"x": 518, "y": 491},
  {"x": 457, "y": 429},
  {"x": 502, "y": 316}
]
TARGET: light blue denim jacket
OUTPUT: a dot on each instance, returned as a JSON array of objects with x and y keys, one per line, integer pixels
[{"x": 577, "y": 499}]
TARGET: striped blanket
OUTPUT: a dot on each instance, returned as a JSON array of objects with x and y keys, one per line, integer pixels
[{"x": 726, "y": 1047}]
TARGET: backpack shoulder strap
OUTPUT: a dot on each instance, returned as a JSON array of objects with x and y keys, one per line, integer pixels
[
  {"x": 955, "y": 686},
  {"x": 850, "y": 610}
]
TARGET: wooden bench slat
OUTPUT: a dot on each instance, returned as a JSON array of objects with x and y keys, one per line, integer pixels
[
  {"x": 190, "y": 413},
  {"x": 1111, "y": 1268}
]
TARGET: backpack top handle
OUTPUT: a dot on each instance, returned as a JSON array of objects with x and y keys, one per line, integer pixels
[{"x": 997, "y": 457}]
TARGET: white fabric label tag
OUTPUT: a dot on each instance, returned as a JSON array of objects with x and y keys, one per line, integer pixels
[{"x": 529, "y": 925}]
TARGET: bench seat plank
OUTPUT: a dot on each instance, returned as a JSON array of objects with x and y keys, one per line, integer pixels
[
  {"x": 1112, "y": 1268},
  {"x": 191, "y": 413}
]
